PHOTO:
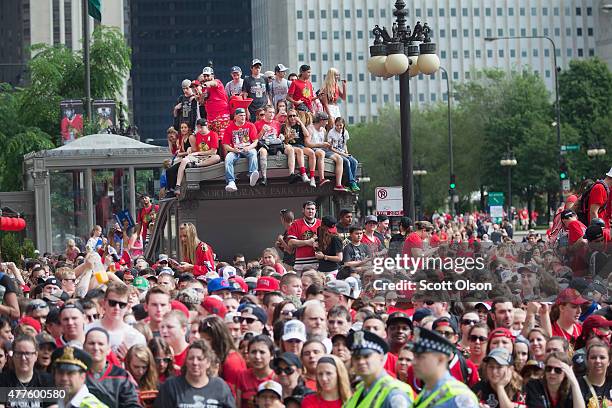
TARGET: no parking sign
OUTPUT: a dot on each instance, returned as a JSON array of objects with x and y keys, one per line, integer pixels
[{"x": 389, "y": 201}]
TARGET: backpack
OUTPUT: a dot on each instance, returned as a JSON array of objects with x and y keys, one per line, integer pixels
[{"x": 582, "y": 205}]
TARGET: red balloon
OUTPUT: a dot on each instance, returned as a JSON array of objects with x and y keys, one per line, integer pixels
[
  {"x": 22, "y": 224},
  {"x": 12, "y": 224}
]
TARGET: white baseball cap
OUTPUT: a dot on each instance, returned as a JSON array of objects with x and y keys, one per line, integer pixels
[
  {"x": 255, "y": 62},
  {"x": 270, "y": 386},
  {"x": 609, "y": 173},
  {"x": 186, "y": 83},
  {"x": 294, "y": 329},
  {"x": 207, "y": 71},
  {"x": 228, "y": 272}
]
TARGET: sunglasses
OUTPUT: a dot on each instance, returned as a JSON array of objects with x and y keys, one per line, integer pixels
[
  {"x": 475, "y": 338},
  {"x": 160, "y": 360},
  {"x": 249, "y": 320},
  {"x": 555, "y": 370},
  {"x": 261, "y": 115},
  {"x": 429, "y": 302},
  {"x": 113, "y": 303},
  {"x": 288, "y": 313},
  {"x": 93, "y": 317},
  {"x": 292, "y": 116},
  {"x": 469, "y": 322},
  {"x": 447, "y": 334},
  {"x": 69, "y": 280},
  {"x": 286, "y": 371}
]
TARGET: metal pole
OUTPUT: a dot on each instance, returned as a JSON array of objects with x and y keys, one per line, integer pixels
[
  {"x": 85, "y": 10},
  {"x": 509, "y": 190},
  {"x": 406, "y": 142},
  {"x": 451, "y": 165}
]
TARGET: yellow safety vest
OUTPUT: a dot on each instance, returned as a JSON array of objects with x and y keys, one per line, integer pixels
[
  {"x": 446, "y": 392},
  {"x": 91, "y": 401},
  {"x": 377, "y": 395}
]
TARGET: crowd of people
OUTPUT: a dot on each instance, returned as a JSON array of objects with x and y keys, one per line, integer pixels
[{"x": 258, "y": 116}]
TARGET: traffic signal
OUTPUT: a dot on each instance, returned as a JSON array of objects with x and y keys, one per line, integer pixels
[
  {"x": 563, "y": 171},
  {"x": 453, "y": 185}
]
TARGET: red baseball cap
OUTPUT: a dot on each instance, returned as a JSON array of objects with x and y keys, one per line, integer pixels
[
  {"x": 176, "y": 305},
  {"x": 501, "y": 332},
  {"x": 214, "y": 306},
  {"x": 570, "y": 295},
  {"x": 238, "y": 284},
  {"x": 32, "y": 322},
  {"x": 267, "y": 284}
]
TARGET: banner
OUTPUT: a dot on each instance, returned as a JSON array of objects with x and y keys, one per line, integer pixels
[
  {"x": 104, "y": 114},
  {"x": 71, "y": 124}
]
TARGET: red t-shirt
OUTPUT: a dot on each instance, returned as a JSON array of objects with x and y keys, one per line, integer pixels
[
  {"x": 301, "y": 230},
  {"x": 314, "y": 401},
  {"x": 205, "y": 260},
  {"x": 230, "y": 371},
  {"x": 390, "y": 364},
  {"x": 273, "y": 128},
  {"x": 144, "y": 218},
  {"x": 179, "y": 360},
  {"x": 300, "y": 90},
  {"x": 217, "y": 103},
  {"x": 247, "y": 385},
  {"x": 599, "y": 196},
  {"x": 373, "y": 244},
  {"x": 206, "y": 142},
  {"x": 434, "y": 241},
  {"x": 571, "y": 337},
  {"x": 575, "y": 230},
  {"x": 239, "y": 136}
]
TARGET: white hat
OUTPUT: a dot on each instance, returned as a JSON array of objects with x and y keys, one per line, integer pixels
[
  {"x": 354, "y": 285},
  {"x": 207, "y": 71},
  {"x": 230, "y": 316},
  {"x": 280, "y": 68},
  {"x": 255, "y": 62},
  {"x": 609, "y": 173},
  {"x": 269, "y": 74},
  {"x": 166, "y": 270},
  {"x": 271, "y": 386},
  {"x": 186, "y": 83},
  {"x": 228, "y": 272},
  {"x": 294, "y": 329}
]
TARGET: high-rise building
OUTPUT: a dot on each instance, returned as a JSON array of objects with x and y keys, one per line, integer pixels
[
  {"x": 173, "y": 40},
  {"x": 12, "y": 50},
  {"x": 603, "y": 31},
  {"x": 337, "y": 33}
]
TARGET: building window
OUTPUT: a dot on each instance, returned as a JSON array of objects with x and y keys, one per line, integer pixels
[
  {"x": 547, "y": 52},
  {"x": 351, "y": 120},
  {"x": 476, "y": 12},
  {"x": 445, "y": 97},
  {"x": 311, "y": 35},
  {"x": 349, "y": 98},
  {"x": 557, "y": 31},
  {"x": 500, "y": 53},
  {"x": 578, "y": 11},
  {"x": 336, "y": 56},
  {"x": 429, "y": 14},
  {"x": 489, "y": 53},
  {"x": 383, "y": 13},
  {"x": 568, "y": 31},
  {"x": 397, "y": 98},
  {"x": 360, "y": 34},
  {"x": 385, "y": 98},
  {"x": 334, "y": 13},
  {"x": 361, "y": 77},
  {"x": 347, "y": 35},
  {"x": 511, "y": 11},
  {"x": 299, "y": 14},
  {"x": 590, "y": 31},
  {"x": 347, "y": 13},
  {"x": 324, "y": 35},
  {"x": 301, "y": 57},
  {"x": 349, "y": 77},
  {"x": 374, "y": 98},
  {"x": 360, "y": 55},
  {"x": 359, "y": 13},
  {"x": 371, "y": 13},
  {"x": 323, "y": 13},
  {"x": 591, "y": 52},
  {"x": 477, "y": 32},
  {"x": 443, "y": 54},
  {"x": 567, "y": 11},
  {"x": 556, "y": 11},
  {"x": 512, "y": 53},
  {"x": 488, "y": 11},
  {"x": 522, "y": 11},
  {"x": 524, "y": 54},
  {"x": 362, "y": 119},
  {"x": 464, "y": 12},
  {"x": 300, "y": 35},
  {"x": 442, "y": 33},
  {"x": 421, "y": 97},
  {"x": 546, "y": 32},
  {"x": 466, "y": 32},
  {"x": 441, "y": 12},
  {"x": 336, "y": 35},
  {"x": 466, "y": 53},
  {"x": 432, "y": 97},
  {"x": 467, "y": 75},
  {"x": 544, "y": 11},
  {"x": 535, "y": 53},
  {"x": 534, "y": 11},
  {"x": 569, "y": 52},
  {"x": 512, "y": 32},
  {"x": 589, "y": 11},
  {"x": 455, "y": 54},
  {"x": 361, "y": 98},
  {"x": 580, "y": 52},
  {"x": 453, "y": 12},
  {"x": 500, "y": 32},
  {"x": 349, "y": 56},
  {"x": 579, "y": 32},
  {"x": 310, "y": 13},
  {"x": 455, "y": 75},
  {"x": 313, "y": 57},
  {"x": 324, "y": 56},
  {"x": 523, "y": 32},
  {"x": 417, "y": 12},
  {"x": 454, "y": 33},
  {"x": 477, "y": 53},
  {"x": 534, "y": 31},
  {"x": 500, "y": 12}
]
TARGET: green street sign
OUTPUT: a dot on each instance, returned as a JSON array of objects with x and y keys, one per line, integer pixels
[
  {"x": 567, "y": 148},
  {"x": 496, "y": 198}
]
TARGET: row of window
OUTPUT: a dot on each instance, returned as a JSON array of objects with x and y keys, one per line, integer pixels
[
  {"x": 325, "y": 56},
  {"x": 513, "y": 53},
  {"x": 512, "y": 32},
  {"x": 488, "y": 12}
]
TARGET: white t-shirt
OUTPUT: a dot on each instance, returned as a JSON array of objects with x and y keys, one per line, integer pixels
[
  {"x": 279, "y": 90},
  {"x": 338, "y": 140},
  {"x": 127, "y": 334},
  {"x": 316, "y": 136},
  {"x": 231, "y": 88}
]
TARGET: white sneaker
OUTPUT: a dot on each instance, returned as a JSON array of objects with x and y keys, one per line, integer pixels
[
  {"x": 253, "y": 179},
  {"x": 305, "y": 178},
  {"x": 231, "y": 187},
  {"x": 313, "y": 182}
]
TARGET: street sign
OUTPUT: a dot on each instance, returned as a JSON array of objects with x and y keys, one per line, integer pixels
[
  {"x": 567, "y": 148},
  {"x": 565, "y": 184},
  {"x": 496, "y": 198},
  {"x": 389, "y": 201},
  {"x": 497, "y": 211}
]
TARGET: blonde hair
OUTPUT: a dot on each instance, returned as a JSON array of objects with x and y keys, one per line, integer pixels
[
  {"x": 330, "y": 84},
  {"x": 189, "y": 246},
  {"x": 273, "y": 252},
  {"x": 314, "y": 276},
  {"x": 343, "y": 380},
  {"x": 150, "y": 378}
]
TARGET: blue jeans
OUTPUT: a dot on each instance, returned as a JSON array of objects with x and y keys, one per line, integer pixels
[
  {"x": 232, "y": 158},
  {"x": 350, "y": 168}
]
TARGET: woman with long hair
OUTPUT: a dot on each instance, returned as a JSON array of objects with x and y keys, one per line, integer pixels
[
  {"x": 214, "y": 332},
  {"x": 163, "y": 357},
  {"x": 328, "y": 249},
  {"x": 330, "y": 93},
  {"x": 559, "y": 388},
  {"x": 196, "y": 384},
  {"x": 293, "y": 132},
  {"x": 198, "y": 256},
  {"x": 521, "y": 353},
  {"x": 179, "y": 148},
  {"x": 312, "y": 351},
  {"x": 468, "y": 320},
  {"x": 260, "y": 352},
  {"x": 284, "y": 311},
  {"x": 270, "y": 257},
  {"x": 537, "y": 343},
  {"x": 333, "y": 385},
  {"x": 338, "y": 136},
  {"x": 501, "y": 385},
  {"x": 140, "y": 363},
  {"x": 173, "y": 329},
  {"x": 596, "y": 385},
  {"x": 477, "y": 337}
]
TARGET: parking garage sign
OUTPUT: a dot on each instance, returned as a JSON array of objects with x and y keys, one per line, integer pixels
[{"x": 389, "y": 201}]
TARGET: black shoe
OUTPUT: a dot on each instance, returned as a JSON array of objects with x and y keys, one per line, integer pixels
[
  {"x": 294, "y": 178},
  {"x": 263, "y": 181},
  {"x": 170, "y": 194}
]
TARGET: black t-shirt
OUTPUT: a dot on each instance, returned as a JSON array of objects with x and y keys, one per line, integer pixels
[
  {"x": 187, "y": 113},
  {"x": 8, "y": 379},
  {"x": 334, "y": 247},
  {"x": 396, "y": 243},
  {"x": 537, "y": 396},
  {"x": 355, "y": 253},
  {"x": 8, "y": 283},
  {"x": 256, "y": 88},
  {"x": 298, "y": 140},
  {"x": 176, "y": 392},
  {"x": 488, "y": 396},
  {"x": 604, "y": 394}
]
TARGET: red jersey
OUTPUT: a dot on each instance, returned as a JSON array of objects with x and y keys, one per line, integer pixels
[
  {"x": 205, "y": 260},
  {"x": 247, "y": 385},
  {"x": 144, "y": 218},
  {"x": 374, "y": 243},
  {"x": 570, "y": 337},
  {"x": 231, "y": 368},
  {"x": 301, "y": 90},
  {"x": 390, "y": 364},
  {"x": 206, "y": 142},
  {"x": 272, "y": 131},
  {"x": 179, "y": 360},
  {"x": 314, "y": 401},
  {"x": 599, "y": 196},
  {"x": 301, "y": 230},
  {"x": 434, "y": 241},
  {"x": 217, "y": 103},
  {"x": 239, "y": 136}
]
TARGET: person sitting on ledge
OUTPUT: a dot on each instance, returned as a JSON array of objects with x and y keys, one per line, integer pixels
[{"x": 240, "y": 140}]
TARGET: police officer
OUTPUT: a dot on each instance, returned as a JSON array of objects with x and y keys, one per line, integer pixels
[
  {"x": 377, "y": 389},
  {"x": 432, "y": 353},
  {"x": 70, "y": 365}
]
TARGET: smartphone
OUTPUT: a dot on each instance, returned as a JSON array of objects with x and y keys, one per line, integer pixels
[{"x": 173, "y": 262}]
